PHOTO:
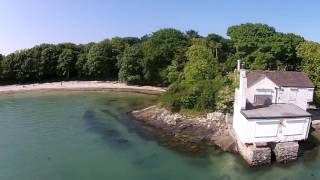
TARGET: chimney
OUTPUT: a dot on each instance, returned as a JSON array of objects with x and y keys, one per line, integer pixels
[
  {"x": 242, "y": 89},
  {"x": 238, "y": 65}
]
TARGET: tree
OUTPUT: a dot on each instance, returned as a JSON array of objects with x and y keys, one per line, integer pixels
[
  {"x": 29, "y": 65},
  {"x": 310, "y": 54},
  {"x": 130, "y": 65},
  {"x": 101, "y": 63},
  {"x": 224, "y": 100},
  {"x": 283, "y": 48},
  {"x": 246, "y": 36},
  {"x": 10, "y": 67},
  {"x": 48, "y": 61},
  {"x": 1, "y": 59},
  {"x": 192, "y": 34},
  {"x": 201, "y": 65},
  {"x": 66, "y": 63},
  {"x": 82, "y": 58},
  {"x": 221, "y": 47},
  {"x": 159, "y": 51},
  {"x": 262, "y": 47},
  {"x": 120, "y": 44}
]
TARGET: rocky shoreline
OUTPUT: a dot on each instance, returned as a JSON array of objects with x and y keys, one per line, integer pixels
[
  {"x": 197, "y": 134},
  {"x": 192, "y": 134}
]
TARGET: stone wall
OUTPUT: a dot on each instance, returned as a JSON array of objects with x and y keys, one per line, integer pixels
[
  {"x": 286, "y": 152},
  {"x": 254, "y": 156}
]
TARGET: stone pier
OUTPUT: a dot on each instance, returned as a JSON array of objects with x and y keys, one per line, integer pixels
[
  {"x": 286, "y": 152},
  {"x": 253, "y": 155}
]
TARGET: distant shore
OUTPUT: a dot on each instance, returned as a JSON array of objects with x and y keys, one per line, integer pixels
[{"x": 80, "y": 86}]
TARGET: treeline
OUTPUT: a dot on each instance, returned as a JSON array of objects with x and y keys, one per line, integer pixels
[{"x": 198, "y": 69}]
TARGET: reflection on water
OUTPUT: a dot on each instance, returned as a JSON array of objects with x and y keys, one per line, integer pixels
[
  {"x": 88, "y": 135},
  {"x": 109, "y": 134}
]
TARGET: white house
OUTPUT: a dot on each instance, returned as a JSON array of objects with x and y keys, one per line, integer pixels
[{"x": 270, "y": 106}]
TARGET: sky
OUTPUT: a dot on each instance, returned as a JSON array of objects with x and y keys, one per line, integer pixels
[{"x": 25, "y": 23}]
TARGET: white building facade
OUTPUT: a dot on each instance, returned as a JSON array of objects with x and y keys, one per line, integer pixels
[{"x": 270, "y": 106}]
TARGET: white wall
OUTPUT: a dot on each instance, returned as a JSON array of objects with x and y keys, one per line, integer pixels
[
  {"x": 240, "y": 124},
  {"x": 263, "y": 87},
  {"x": 271, "y": 130},
  {"x": 298, "y": 96},
  {"x": 294, "y": 95}
]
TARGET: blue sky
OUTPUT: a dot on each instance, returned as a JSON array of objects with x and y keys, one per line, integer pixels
[{"x": 26, "y": 23}]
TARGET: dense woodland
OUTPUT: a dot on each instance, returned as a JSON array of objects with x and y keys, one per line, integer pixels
[{"x": 198, "y": 70}]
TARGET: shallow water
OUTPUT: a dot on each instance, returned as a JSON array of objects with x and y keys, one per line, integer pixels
[{"x": 87, "y": 135}]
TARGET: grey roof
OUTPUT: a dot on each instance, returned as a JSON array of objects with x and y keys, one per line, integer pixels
[
  {"x": 275, "y": 111},
  {"x": 281, "y": 78}
]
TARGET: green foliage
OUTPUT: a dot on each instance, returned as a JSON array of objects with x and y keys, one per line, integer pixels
[
  {"x": 159, "y": 51},
  {"x": 250, "y": 34},
  {"x": 261, "y": 47},
  {"x": 220, "y": 46},
  {"x": 101, "y": 62},
  {"x": 66, "y": 63},
  {"x": 130, "y": 65},
  {"x": 192, "y": 34},
  {"x": 192, "y": 65},
  {"x": 201, "y": 65},
  {"x": 1, "y": 59},
  {"x": 224, "y": 100},
  {"x": 197, "y": 95},
  {"x": 48, "y": 61},
  {"x": 310, "y": 54},
  {"x": 173, "y": 72},
  {"x": 9, "y": 67}
]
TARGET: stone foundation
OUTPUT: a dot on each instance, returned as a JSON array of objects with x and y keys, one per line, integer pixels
[
  {"x": 286, "y": 152},
  {"x": 259, "y": 156},
  {"x": 255, "y": 156}
]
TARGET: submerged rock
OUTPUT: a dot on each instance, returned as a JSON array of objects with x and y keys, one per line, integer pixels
[{"x": 187, "y": 133}]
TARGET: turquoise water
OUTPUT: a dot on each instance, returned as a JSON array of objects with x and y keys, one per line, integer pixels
[{"x": 88, "y": 136}]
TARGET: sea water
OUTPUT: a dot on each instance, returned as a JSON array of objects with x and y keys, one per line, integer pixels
[{"x": 89, "y": 136}]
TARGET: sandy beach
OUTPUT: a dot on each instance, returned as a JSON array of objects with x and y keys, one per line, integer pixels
[{"x": 80, "y": 85}]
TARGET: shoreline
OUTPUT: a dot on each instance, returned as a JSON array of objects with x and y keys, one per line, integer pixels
[
  {"x": 80, "y": 86},
  {"x": 195, "y": 135}
]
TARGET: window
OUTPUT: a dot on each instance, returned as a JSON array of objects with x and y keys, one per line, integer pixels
[
  {"x": 262, "y": 99},
  {"x": 293, "y": 94}
]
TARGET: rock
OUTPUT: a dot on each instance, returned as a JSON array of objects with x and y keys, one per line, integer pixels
[
  {"x": 226, "y": 143},
  {"x": 188, "y": 130},
  {"x": 316, "y": 125},
  {"x": 215, "y": 116},
  {"x": 316, "y": 122}
]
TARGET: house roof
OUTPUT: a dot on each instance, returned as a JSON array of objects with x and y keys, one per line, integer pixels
[
  {"x": 275, "y": 111},
  {"x": 281, "y": 78}
]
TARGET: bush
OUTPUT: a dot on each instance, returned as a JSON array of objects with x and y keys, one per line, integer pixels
[
  {"x": 224, "y": 100},
  {"x": 193, "y": 95}
]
